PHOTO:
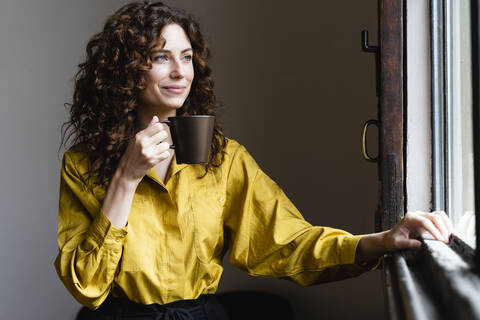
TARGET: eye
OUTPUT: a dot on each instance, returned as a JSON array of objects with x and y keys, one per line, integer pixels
[
  {"x": 160, "y": 58},
  {"x": 188, "y": 58}
]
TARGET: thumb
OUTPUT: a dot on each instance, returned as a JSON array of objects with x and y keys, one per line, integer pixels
[
  {"x": 153, "y": 121},
  {"x": 410, "y": 244}
]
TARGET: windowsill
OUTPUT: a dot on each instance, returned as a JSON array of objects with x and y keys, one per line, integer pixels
[{"x": 433, "y": 283}]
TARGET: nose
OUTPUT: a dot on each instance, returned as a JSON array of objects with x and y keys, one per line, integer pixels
[{"x": 178, "y": 70}]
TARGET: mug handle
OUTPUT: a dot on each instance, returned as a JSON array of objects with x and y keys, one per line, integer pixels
[{"x": 169, "y": 123}]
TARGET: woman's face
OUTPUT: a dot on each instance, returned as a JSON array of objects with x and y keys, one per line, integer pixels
[{"x": 171, "y": 76}]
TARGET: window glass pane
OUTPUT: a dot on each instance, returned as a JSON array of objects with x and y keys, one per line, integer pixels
[{"x": 460, "y": 183}]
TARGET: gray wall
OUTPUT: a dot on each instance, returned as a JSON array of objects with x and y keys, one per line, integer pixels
[{"x": 296, "y": 89}]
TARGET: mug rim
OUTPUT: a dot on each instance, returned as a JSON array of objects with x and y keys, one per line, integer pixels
[{"x": 194, "y": 116}]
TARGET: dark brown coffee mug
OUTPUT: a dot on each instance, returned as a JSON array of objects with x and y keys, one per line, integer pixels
[{"x": 192, "y": 137}]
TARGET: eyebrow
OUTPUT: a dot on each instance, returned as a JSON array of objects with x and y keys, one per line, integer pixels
[{"x": 168, "y": 51}]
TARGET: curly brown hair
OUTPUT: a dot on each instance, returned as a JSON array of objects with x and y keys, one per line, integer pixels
[{"x": 103, "y": 113}]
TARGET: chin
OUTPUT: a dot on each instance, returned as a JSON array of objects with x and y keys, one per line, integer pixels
[
  {"x": 174, "y": 107},
  {"x": 174, "y": 103},
  {"x": 177, "y": 105}
]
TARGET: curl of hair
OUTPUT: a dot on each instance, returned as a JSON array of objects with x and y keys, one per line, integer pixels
[{"x": 103, "y": 113}]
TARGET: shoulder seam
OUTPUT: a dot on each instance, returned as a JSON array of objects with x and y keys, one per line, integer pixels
[
  {"x": 74, "y": 166},
  {"x": 233, "y": 159}
]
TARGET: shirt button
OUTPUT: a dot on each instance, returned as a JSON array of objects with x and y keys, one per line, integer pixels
[{"x": 220, "y": 199}]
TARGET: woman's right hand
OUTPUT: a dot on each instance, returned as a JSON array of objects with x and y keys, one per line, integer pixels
[{"x": 144, "y": 151}]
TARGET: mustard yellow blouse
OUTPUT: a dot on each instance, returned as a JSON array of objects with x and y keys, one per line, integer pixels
[{"x": 178, "y": 232}]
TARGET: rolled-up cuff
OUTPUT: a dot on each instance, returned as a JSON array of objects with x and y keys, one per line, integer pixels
[
  {"x": 349, "y": 249},
  {"x": 351, "y": 243},
  {"x": 102, "y": 231}
]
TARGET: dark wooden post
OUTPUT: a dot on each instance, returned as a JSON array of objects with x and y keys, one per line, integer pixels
[{"x": 391, "y": 113}]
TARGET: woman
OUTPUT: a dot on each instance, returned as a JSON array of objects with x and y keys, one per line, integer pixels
[{"x": 142, "y": 235}]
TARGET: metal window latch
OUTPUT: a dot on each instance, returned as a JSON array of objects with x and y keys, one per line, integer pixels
[
  {"x": 367, "y": 48},
  {"x": 365, "y": 154}
]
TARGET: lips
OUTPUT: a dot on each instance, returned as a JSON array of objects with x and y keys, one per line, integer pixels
[{"x": 176, "y": 89}]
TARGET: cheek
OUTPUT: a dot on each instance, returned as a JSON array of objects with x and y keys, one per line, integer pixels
[
  {"x": 156, "y": 74},
  {"x": 190, "y": 75}
]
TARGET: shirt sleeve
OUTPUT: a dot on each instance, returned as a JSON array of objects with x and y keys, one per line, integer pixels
[
  {"x": 90, "y": 247},
  {"x": 269, "y": 236}
]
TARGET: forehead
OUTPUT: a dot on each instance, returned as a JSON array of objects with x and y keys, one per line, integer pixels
[{"x": 174, "y": 37}]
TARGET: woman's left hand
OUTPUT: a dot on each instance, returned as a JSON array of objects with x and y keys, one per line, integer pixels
[
  {"x": 415, "y": 224},
  {"x": 403, "y": 235}
]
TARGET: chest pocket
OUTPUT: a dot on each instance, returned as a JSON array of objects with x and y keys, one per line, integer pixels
[{"x": 207, "y": 206}]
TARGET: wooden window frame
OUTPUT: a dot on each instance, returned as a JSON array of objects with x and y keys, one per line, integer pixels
[{"x": 439, "y": 281}]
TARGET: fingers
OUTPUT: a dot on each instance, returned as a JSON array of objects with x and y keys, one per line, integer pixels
[
  {"x": 446, "y": 220},
  {"x": 428, "y": 225},
  {"x": 164, "y": 155},
  {"x": 158, "y": 137},
  {"x": 154, "y": 154},
  {"x": 159, "y": 157},
  {"x": 153, "y": 134},
  {"x": 430, "y": 222},
  {"x": 162, "y": 147},
  {"x": 157, "y": 152},
  {"x": 146, "y": 149},
  {"x": 401, "y": 236},
  {"x": 439, "y": 221},
  {"x": 145, "y": 140},
  {"x": 153, "y": 121},
  {"x": 151, "y": 142},
  {"x": 444, "y": 223},
  {"x": 152, "y": 130}
]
